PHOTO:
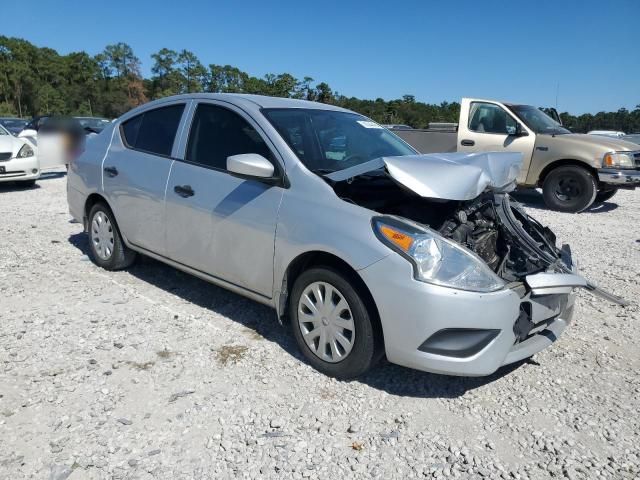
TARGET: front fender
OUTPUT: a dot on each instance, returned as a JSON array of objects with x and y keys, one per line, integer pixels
[{"x": 323, "y": 223}]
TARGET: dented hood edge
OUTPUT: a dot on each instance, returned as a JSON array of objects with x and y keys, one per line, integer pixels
[{"x": 447, "y": 176}]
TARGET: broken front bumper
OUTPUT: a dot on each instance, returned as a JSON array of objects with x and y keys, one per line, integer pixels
[
  {"x": 619, "y": 177},
  {"x": 455, "y": 332}
]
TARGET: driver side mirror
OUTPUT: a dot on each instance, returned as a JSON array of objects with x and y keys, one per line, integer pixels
[{"x": 250, "y": 165}]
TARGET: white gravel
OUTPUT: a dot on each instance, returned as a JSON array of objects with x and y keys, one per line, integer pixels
[{"x": 152, "y": 373}]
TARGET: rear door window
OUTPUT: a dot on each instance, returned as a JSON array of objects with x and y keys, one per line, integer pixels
[{"x": 153, "y": 131}]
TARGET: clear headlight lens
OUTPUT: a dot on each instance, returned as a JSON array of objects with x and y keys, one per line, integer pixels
[
  {"x": 618, "y": 160},
  {"x": 25, "y": 151},
  {"x": 436, "y": 259}
]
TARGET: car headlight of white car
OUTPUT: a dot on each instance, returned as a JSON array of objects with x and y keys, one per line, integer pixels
[
  {"x": 25, "y": 151},
  {"x": 435, "y": 259},
  {"x": 618, "y": 160}
]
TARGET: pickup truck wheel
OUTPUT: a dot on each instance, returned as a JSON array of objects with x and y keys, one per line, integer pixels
[
  {"x": 332, "y": 324},
  {"x": 605, "y": 194},
  {"x": 105, "y": 242},
  {"x": 569, "y": 189}
]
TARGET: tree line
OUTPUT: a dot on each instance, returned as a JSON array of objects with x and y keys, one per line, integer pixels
[{"x": 35, "y": 80}]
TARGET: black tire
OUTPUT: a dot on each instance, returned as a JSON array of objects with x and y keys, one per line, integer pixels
[
  {"x": 605, "y": 194},
  {"x": 121, "y": 256},
  {"x": 367, "y": 345},
  {"x": 569, "y": 189}
]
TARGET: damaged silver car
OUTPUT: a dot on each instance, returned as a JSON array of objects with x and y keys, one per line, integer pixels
[{"x": 363, "y": 246}]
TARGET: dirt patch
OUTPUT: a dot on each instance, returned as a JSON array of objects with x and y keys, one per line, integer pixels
[
  {"x": 229, "y": 354},
  {"x": 140, "y": 366}
]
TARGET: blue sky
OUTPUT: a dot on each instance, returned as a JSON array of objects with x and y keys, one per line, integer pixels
[{"x": 436, "y": 50}]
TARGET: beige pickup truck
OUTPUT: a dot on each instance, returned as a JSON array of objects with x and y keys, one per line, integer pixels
[{"x": 573, "y": 170}]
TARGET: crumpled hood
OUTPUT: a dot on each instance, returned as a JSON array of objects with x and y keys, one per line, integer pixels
[{"x": 448, "y": 176}]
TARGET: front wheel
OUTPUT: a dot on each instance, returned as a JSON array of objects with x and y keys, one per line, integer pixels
[
  {"x": 569, "y": 189},
  {"x": 605, "y": 194},
  {"x": 107, "y": 248},
  {"x": 332, "y": 325}
]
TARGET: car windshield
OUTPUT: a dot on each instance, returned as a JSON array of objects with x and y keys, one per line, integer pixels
[
  {"x": 327, "y": 140},
  {"x": 13, "y": 125},
  {"x": 97, "y": 124},
  {"x": 537, "y": 120},
  {"x": 3, "y": 131}
]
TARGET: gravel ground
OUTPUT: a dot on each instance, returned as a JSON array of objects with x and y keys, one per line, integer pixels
[{"x": 151, "y": 373}]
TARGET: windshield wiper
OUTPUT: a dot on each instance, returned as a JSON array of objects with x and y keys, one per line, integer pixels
[{"x": 356, "y": 170}]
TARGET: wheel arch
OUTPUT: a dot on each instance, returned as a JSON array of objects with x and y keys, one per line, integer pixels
[
  {"x": 91, "y": 200},
  {"x": 563, "y": 163},
  {"x": 318, "y": 258}
]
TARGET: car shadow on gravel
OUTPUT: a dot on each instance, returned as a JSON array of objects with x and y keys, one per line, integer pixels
[
  {"x": 533, "y": 199},
  {"x": 407, "y": 382},
  {"x": 16, "y": 187},
  {"x": 262, "y": 324},
  {"x": 52, "y": 175}
]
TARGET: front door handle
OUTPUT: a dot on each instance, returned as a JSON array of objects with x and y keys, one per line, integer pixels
[
  {"x": 184, "y": 191},
  {"x": 467, "y": 143},
  {"x": 111, "y": 171}
]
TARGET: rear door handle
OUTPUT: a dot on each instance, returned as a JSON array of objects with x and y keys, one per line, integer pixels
[
  {"x": 467, "y": 143},
  {"x": 111, "y": 171},
  {"x": 184, "y": 191}
]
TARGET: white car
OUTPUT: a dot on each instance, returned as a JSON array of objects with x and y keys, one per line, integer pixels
[
  {"x": 18, "y": 159},
  {"x": 607, "y": 133}
]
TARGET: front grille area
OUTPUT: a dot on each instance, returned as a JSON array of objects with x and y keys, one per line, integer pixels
[
  {"x": 5, "y": 156},
  {"x": 636, "y": 158},
  {"x": 16, "y": 173}
]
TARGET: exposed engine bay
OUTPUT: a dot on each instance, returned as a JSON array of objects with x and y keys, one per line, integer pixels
[{"x": 492, "y": 225}]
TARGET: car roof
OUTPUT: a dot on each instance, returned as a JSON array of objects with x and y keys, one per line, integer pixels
[{"x": 262, "y": 101}]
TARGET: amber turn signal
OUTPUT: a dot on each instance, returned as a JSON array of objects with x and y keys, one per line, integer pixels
[{"x": 398, "y": 238}]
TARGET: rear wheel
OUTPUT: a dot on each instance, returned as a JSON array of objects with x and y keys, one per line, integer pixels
[
  {"x": 107, "y": 248},
  {"x": 332, "y": 324},
  {"x": 605, "y": 194},
  {"x": 569, "y": 189}
]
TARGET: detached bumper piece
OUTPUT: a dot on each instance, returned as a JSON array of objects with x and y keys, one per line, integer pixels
[{"x": 619, "y": 177}]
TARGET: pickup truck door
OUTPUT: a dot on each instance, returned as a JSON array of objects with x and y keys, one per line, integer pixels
[
  {"x": 488, "y": 126},
  {"x": 218, "y": 223}
]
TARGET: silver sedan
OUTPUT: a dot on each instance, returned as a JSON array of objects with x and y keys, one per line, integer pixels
[{"x": 360, "y": 244}]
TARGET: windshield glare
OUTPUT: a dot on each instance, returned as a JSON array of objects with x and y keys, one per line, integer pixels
[
  {"x": 93, "y": 123},
  {"x": 537, "y": 120},
  {"x": 327, "y": 141}
]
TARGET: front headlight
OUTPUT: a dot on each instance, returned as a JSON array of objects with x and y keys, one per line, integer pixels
[
  {"x": 618, "y": 160},
  {"x": 436, "y": 259},
  {"x": 25, "y": 151}
]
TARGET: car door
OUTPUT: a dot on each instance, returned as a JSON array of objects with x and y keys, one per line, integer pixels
[
  {"x": 491, "y": 128},
  {"x": 218, "y": 223},
  {"x": 135, "y": 173}
]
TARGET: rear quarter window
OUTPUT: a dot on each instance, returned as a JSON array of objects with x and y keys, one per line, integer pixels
[{"x": 153, "y": 131}]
